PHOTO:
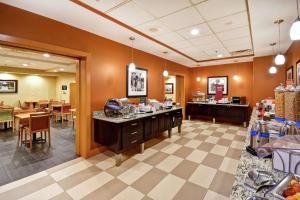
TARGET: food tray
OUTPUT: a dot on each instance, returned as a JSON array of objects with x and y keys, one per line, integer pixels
[{"x": 282, "y": 185}]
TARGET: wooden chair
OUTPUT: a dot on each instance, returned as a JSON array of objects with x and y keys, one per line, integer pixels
[
  {"x": 38, "y": 123},
  {"x": 7, "y": 116},
  {"x": 42, "y": 105},
  {"x": 64, "y": 112}
]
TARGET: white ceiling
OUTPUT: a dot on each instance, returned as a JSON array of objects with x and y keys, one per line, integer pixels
[
  {"x": 223, "y": 24},
  {"x": 25, "y": 59}
]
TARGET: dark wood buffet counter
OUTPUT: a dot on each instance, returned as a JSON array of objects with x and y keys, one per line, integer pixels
[
  {"x": 232, "y": 113},
  {"x": 119, "y": 134}
]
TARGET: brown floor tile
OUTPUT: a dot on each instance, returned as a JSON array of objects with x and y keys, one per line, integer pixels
[
  {"x": 183, "y": 152},
  {"x": 201, "y": 137},
  {"x": 63, "y": 196},
  {"x": 107, "y": 191},
  {"x": 211, "y": 128},
  {"x": 234, "y": 153},
  {"x": 213, "y": 161},
  {"x": 148, "y": 181},
  {"x": 224, "y": 142},
  {"x": 217, "y": 134},
  {"x": 156, "y": 158},
  {"x": 182, "y": 141},
  {"x": 231, "y": 131},
  {"x": 219, "y": 185},
  {"x": 185, "y": 169},
  {"x": 79, "y": 177},
  {"x": 127, "y": 164},
  {"x": 239, "y": 138},
  {"x": 190, "y": 191},
  {"x": 206, "y": 146},
  {"x": 160, "y": 145}
]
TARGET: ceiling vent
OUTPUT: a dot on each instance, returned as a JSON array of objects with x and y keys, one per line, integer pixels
[{"x": 241, "y": 52}]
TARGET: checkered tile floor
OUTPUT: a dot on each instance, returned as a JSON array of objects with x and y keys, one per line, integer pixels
[{"x": 198, "y": 164}]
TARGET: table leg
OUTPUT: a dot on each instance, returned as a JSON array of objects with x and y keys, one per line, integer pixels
[
  {"x": 179, "y": 128},
  {"x": 169, "y": 133},
  {"x": 142, "y": 147},
  {"x": 245, "y": 124},
  {"x": 118, "y": 159},
  {"x": 214, "y": 120}
]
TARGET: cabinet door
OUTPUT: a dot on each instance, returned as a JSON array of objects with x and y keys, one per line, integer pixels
[
  {"x": 150, "y": 127},
  {"x": 164, "y": 122}
]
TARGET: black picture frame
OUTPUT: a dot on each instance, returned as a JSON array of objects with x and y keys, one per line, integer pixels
[
  {"x": 64, "y": 87},
  {"x": 15, "y": 90},
  {"x": 298, "y": 72},
  {"x": 129, "y": 91},
  {"x": 289, "y": 74},
  {"x": 211, "y": 79},
  {"x": 171, "y": 85}
]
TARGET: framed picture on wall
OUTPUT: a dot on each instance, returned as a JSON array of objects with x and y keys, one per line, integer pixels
[
  {"x": 8, "y": 86},
  {"x": 289, "y": 75},
  {"x": 213, "y": 81},
  {"x": 137, "y": 82},
  {"x": 169, "y": 88},
  {"x": 298, "y": 73}
]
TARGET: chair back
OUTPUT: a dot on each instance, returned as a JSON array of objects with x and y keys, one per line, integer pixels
[
  {"x": 66, "y": 108},
  {"x": 39, "y": 122},
  {"x": 6, "y": 114},
  {"x": 43, "y": 104}
]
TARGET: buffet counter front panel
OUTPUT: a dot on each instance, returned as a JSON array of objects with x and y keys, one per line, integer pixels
[
  {"x": 232, "y": 113},
  {"x": 120, "y": 134}
]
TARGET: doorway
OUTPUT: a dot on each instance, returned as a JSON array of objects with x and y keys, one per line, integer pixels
[
  {"x": 35, "y": 84},
  {"x": 174, "y": 90}
]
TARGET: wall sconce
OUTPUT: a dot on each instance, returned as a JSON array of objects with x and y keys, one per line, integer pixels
[
  {"x": 236, "y": 77},
  {"x": 198, "y": 79}
]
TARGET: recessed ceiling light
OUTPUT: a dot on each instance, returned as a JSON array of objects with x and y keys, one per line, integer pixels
[
  {"x": 195, "y": 31},
  {"x": 46, "y": 55},
  {"x": 61, "y": 69},
  {"x": 55, "y": 70},
  {"x": 25, "y": 64},
  {"x": 220, "y": 55}
]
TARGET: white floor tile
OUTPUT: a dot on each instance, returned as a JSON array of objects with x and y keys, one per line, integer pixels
[
  {"x": 229, "y": 165},
  {"x": 212, "y": 139},
  {"x": 73, "y": 169},
  {"x": 219, "y": 150},
  {"x": 193, "y": 144},
  {"x": 206, "y": 132},
  {"x": 237, "y": 145},
  {"x": 90, "y": 185},
  {"x": 171, "y": 148},
  {"x": 222, "y": 130},
  {"x": 167, "y": 188},
  {"x": 174, "y": 138},
  {"x": 134, "y": 173},
  {"x": 228, "y": 136},
  {"x": 45, "y": 193},
  {"x": 129, "y": 193},
  {"x": 190, "y": 135},
  {"x": 210, "y": 195},
  {"x": 147, "y": 153},
  {"x": 107, "y": 163},
  {"x": 197, "y": 156},
  {"x": 169, "y": 163},
  {"x": 203, "y": 176}
]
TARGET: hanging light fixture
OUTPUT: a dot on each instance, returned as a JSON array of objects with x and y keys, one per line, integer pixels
[
  {"x": 165, "y": 72},
  {"x": 295, "y": 28},
  {"x": 132, "y": 65},
  {"x": 273, "y": 69},
  {"x": 279, "y": 59}
]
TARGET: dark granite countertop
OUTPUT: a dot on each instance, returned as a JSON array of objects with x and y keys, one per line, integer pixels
[
  {"x": 219, "y": 104},
  {"x": 101, "y": 116}
]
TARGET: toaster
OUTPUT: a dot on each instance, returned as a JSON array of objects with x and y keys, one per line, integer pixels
[{"x": 238, "y": 100}]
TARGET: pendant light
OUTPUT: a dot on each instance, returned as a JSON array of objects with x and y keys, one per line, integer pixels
[
  {"x": 279, "y": 59},
  {"x": 165, "y": 72},
  {"x": 295, "y": 28},
  {"x": 273, "y": 69},
  {"x": 132, "y": 65}
]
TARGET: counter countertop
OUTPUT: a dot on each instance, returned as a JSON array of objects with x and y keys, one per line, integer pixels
[
  {"x": 247, "y": 163},
  {"x": 219, "y": 104},
  {"x": 101, "y": 116}
]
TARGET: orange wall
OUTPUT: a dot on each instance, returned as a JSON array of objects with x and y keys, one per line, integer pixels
[
  {"x": 264, "y": 83},
  {"x": 241, "y": 87},
  {"x": 293, "y": 56},
  {"x": 108, "y": 58}
]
